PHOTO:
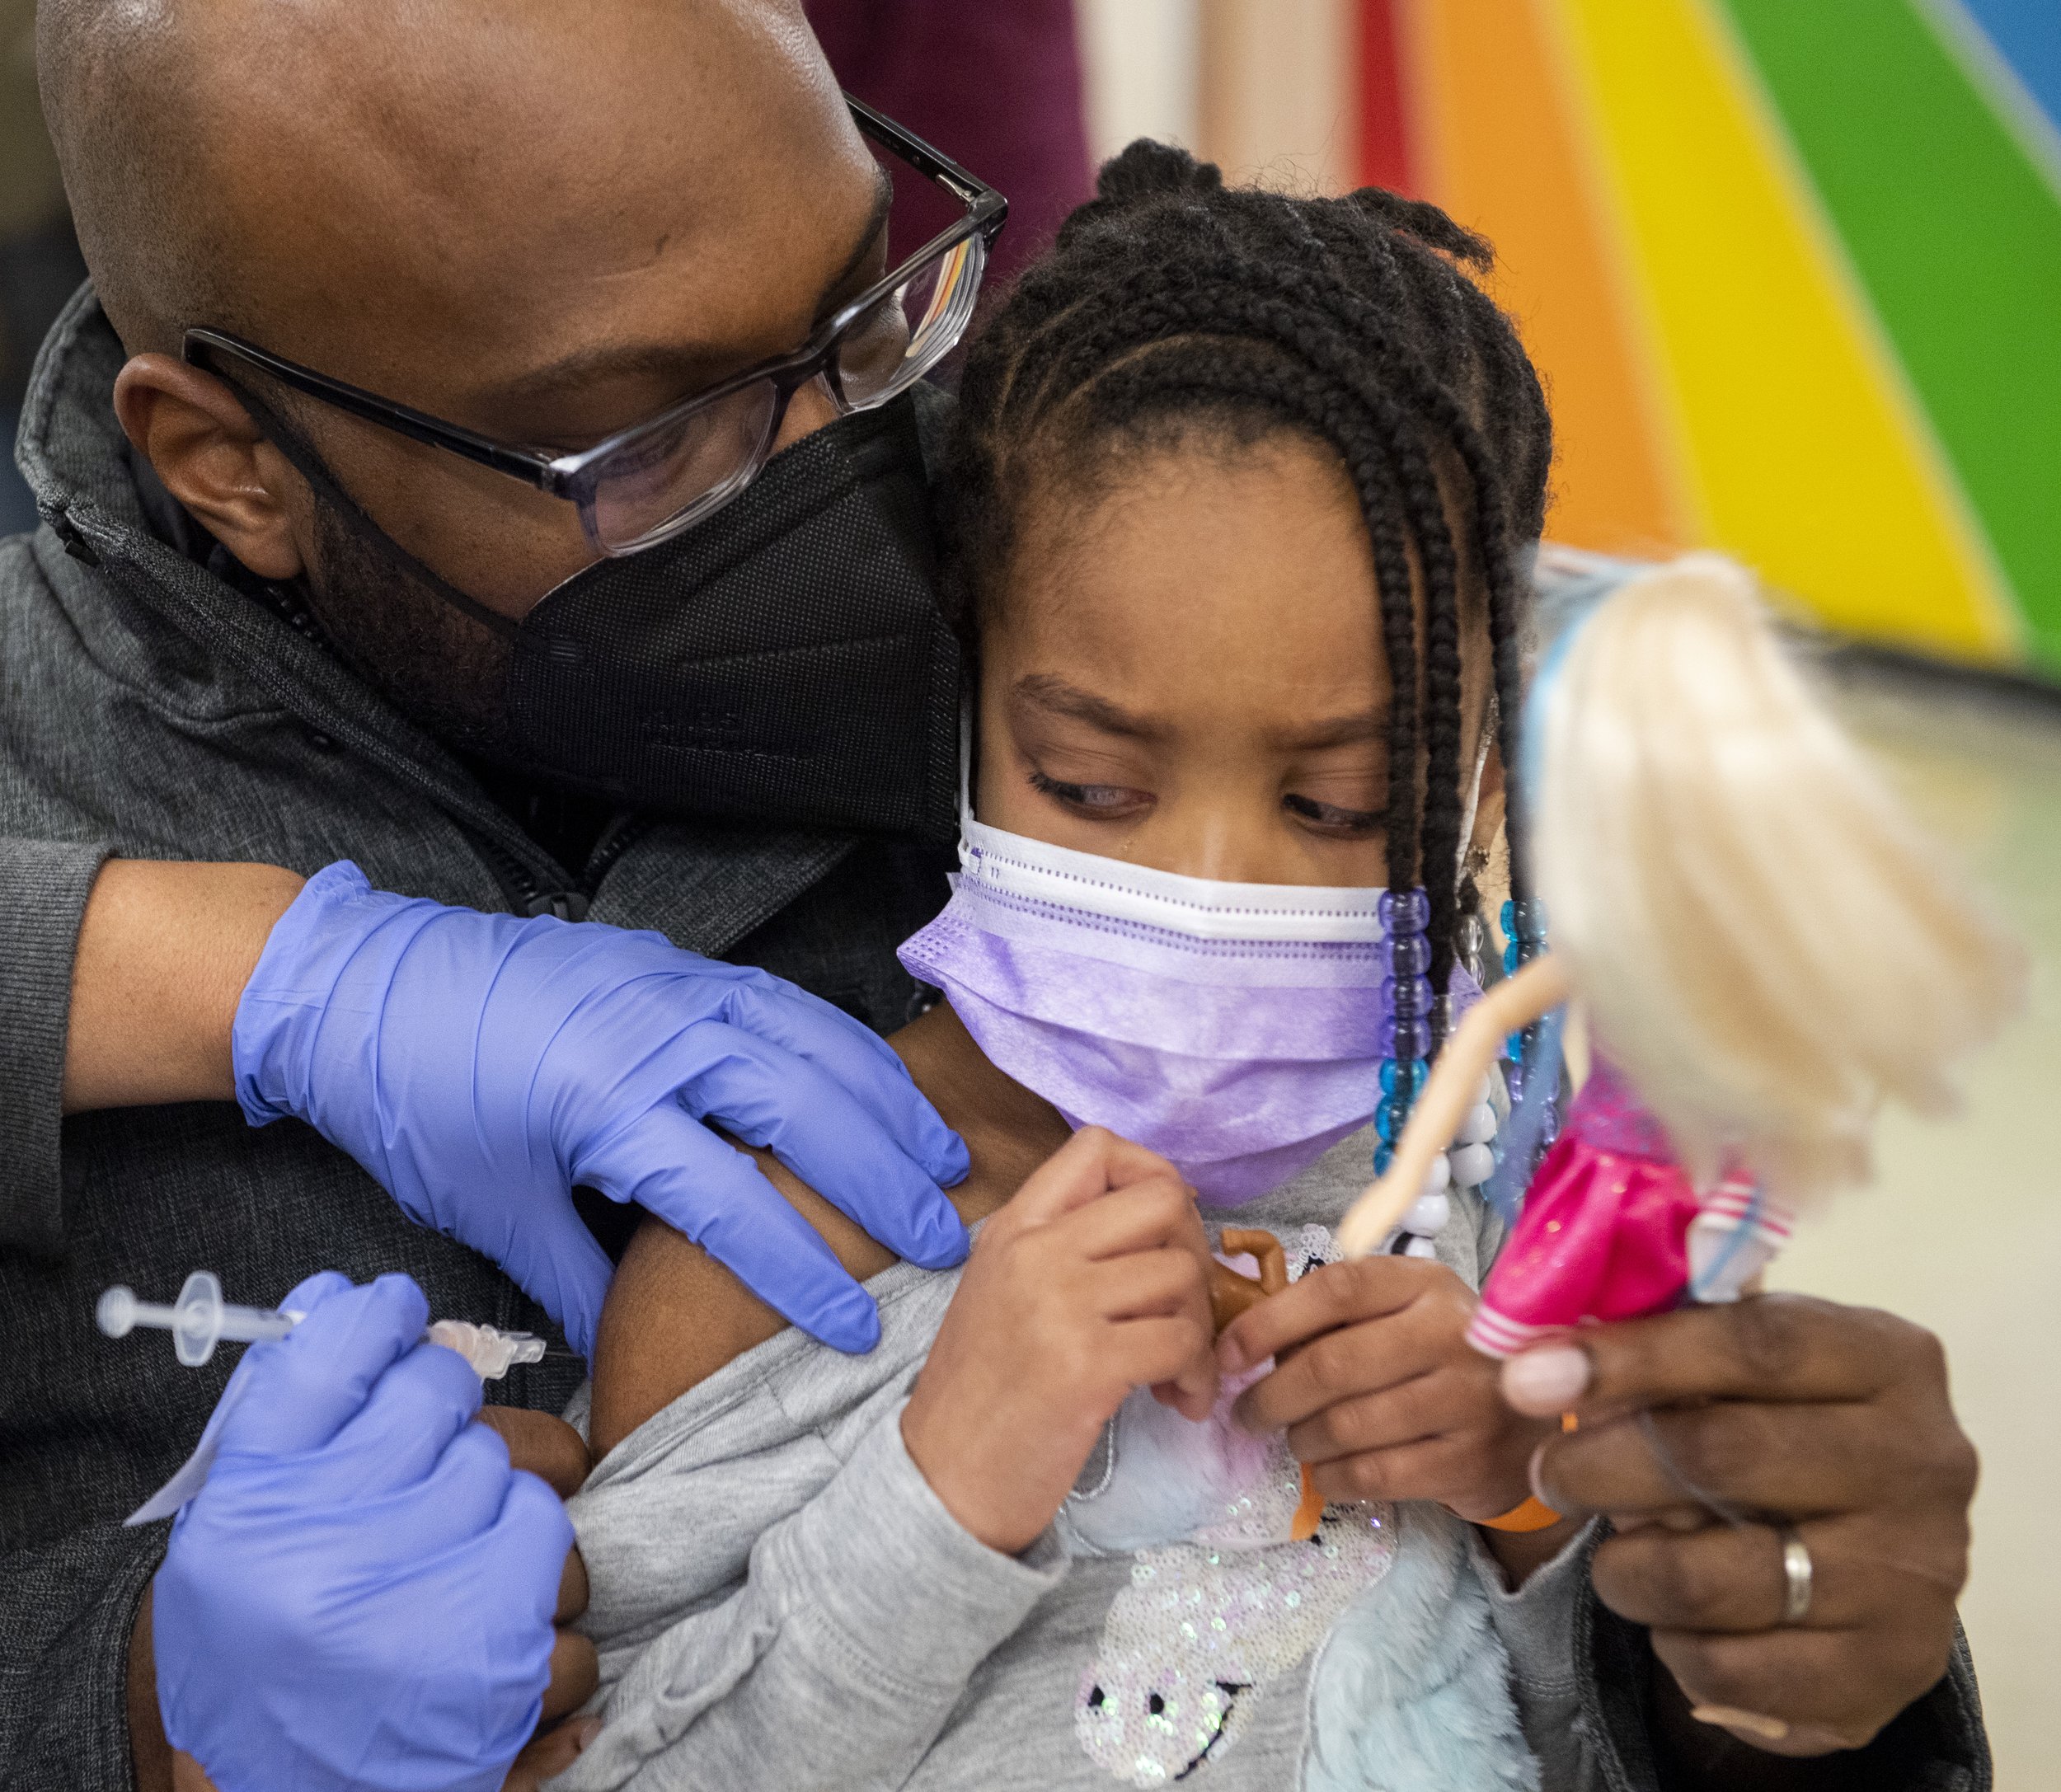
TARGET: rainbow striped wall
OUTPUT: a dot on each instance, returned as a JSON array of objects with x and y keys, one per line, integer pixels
[{"x": 1793, "y": 270}]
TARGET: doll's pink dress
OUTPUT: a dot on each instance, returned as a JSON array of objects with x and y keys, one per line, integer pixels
[{"x": 1613, "y": 1228}]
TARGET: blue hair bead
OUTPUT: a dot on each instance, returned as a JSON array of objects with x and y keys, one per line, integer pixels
[
  {"x": 1407, "y": 998},
  {"x": 1409, "y": 955},
  {"x": 1404, "y": 910},
  {"x": 1390, "y": 1118},
  {"x": 1403, "y": 1034},
  {"x": 1404, "y": 1076}
]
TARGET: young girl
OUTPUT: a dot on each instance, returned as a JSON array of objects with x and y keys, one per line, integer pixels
[{"x": 1241, "y": 490}]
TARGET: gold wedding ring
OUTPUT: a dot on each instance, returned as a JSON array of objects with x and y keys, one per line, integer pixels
[{"x": 1796, "y": 1575}]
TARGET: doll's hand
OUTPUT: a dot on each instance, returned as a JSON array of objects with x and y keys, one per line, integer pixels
[
  {"x": 1383, "y": 1396},
  {"x": 1092, "y": 1281},
  {"x": 1831, "y": 1419}
]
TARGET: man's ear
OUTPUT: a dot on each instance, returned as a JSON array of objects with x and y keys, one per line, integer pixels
[{"x": 194, "y": 432}]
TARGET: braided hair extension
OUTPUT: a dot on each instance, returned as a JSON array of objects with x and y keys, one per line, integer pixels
[{"x": 1172, "y": 302}]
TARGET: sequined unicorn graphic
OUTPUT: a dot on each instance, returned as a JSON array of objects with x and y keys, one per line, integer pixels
[
  {"x": 1203, "y": 1627},
  {"x": 1229, "y": 1589}
]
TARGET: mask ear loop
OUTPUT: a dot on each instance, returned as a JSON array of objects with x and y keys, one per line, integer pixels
[{"x": 967, "y": 737}]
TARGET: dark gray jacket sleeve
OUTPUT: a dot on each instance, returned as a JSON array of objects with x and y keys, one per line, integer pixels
[
  {"x": 1937, "y": 1743},
  {"x": 42, "y": 889},
  {"x": 66, "y": 1611},
  {"x": 1585, "y": 1682}
]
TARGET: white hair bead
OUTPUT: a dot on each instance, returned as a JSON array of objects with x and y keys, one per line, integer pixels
[
  {"x": 1479, "y": 1127},
  {"x": 1419, "y": 1246},
  {"x": 1428, "y": 1217},
  {"x": 1439, "y": 1176},
  {"x": 1472, "y": 1165}
]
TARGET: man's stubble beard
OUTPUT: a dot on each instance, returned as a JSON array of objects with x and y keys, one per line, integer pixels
[{"x": 445, "y": 671}]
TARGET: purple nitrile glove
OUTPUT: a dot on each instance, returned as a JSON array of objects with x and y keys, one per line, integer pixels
[
  {"x": 361, "y": 1595},
  {"x": 480, "y": 1067}
]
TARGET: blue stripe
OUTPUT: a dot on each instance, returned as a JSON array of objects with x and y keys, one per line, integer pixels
[{"x": 2027, "y": 35}]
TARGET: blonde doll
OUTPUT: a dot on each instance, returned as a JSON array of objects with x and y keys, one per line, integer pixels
[{"x": 1765, "y": 946}]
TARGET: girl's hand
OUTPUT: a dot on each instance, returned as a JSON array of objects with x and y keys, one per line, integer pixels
[
  {"x": 1092, "y": 1281},
  {"x": 1384, "y": 1399}
]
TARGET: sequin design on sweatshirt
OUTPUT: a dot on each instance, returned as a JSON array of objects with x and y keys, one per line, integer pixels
[
  {"x": 1201, "y": 1630},
  {"x": 1207, "y": 1622}
]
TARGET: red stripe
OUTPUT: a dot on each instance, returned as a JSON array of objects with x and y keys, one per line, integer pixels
[{"x": 1384, "y": 116}]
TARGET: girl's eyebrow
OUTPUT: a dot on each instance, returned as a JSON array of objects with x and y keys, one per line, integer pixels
[
  {"x": 1338, "y": 731},
  {"x": 1049, "y": 692}
]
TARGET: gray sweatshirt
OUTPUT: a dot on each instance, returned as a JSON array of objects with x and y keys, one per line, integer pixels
[{"x": 780, "y": 1601}]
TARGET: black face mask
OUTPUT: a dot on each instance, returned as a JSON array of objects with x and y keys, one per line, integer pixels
[{"x": 784, "y": 662}]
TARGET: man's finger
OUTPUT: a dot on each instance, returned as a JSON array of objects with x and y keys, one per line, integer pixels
[
  {"x": 1801, "y": 1460},
  {"x": 1726, "y": 1578},
  {"x": 408, "y": 1420},
  {"x": 575, "y": 1671},
  {"x": 1828, "y": 1688},
  {"x": 1774, "y": 1346},
  {"x": 769, "y": 1097},
  {"x": 302, "y": 1389},
  {"x": 542, "y": 1443},
  {"x": 1331, "y": 1295},
  {"x": 860, "y": 1061},
  {"x": 549, "y": 1753},
  {"x": 572, "y": 1588}
]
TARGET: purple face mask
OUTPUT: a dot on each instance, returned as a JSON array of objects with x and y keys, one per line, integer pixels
[{"x": 1236, "y": 1028}]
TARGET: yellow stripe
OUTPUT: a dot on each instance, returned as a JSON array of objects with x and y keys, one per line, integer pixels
[
  {"x": 1808, "y": 457},
  {"x": 1504, "y": 148}
]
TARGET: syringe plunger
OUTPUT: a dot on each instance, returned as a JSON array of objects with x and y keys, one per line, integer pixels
[{"x": 200, "y": 1319}]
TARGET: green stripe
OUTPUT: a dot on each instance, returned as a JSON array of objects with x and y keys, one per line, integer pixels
[{"x": 1957, "y": 240}]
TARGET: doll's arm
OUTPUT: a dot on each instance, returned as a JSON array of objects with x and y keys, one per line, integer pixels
[{"x": 1511, "y": 1005}]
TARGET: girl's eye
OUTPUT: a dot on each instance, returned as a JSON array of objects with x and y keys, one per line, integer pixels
[
  {"x": 1102, "y": 801},
  {"x": 1330, "y": 818}
]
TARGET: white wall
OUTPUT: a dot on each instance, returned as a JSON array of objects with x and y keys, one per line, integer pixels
[
  {"x": 1268, "y": 88},
  {"x": 1142, "y": 59}
]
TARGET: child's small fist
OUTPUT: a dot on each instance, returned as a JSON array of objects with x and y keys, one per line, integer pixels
[
  {"x": 1092, "y": 1281},
  {"x": 1379, "y": 1391}
]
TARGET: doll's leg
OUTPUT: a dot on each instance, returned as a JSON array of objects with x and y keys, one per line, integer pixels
[{"x": 1736, "y": 1234}]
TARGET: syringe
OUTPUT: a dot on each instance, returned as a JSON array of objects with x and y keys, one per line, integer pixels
[{"x": 200, "y": 1319}]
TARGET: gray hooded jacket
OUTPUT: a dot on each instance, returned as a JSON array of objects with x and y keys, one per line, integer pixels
[{"x": 149, "y": 709}]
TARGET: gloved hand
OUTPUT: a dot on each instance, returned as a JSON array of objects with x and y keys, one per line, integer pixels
[
  {"x": 482, "y": 1066},
  {"x": 361, "y": 1595}
]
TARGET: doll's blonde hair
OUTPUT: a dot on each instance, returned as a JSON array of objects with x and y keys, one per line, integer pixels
[{"x": 1768, "y": 944}]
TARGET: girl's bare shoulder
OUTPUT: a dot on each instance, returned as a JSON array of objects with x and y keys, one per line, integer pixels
[{"x": 675, "y": 1315}]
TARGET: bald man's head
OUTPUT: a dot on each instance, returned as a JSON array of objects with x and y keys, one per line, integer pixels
[
  {"x": 115, "y": 80},
  {"x": 544, "y": 221},
  {"x": 235, "y": 162}
]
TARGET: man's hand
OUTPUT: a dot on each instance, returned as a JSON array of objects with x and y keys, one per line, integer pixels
[
  {"x": 1092, "y": 1281},
  {"x": 1382, "y": 1397},
  {"x": 365, "y": 1592},
  {"x": 1781, "y": 1411},
  {"x": 480, "y": 1067},
  {"x": 538, "y": 1444}
]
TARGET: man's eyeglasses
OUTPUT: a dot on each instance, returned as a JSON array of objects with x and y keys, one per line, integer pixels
[{"x": 650, "y": 481}]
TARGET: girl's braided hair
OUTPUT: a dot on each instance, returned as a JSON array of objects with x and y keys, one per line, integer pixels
[{"x": 1171, "y": 300}]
